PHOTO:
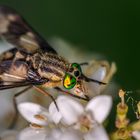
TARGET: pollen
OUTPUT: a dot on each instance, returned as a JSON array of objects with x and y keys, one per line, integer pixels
[
  {"x": 40, "y": 117},
  {"x": 85, "y": 123},
  {"x": 121, "y": 93},
  {"x": 36, "y": 126}
]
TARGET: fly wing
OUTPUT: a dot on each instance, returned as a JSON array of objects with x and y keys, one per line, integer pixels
[
  {"x": 17, "y": 74},
  {"x": 15, "y": 30}
]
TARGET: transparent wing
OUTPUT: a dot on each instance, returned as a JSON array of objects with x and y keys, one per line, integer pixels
[{"x": 15, "y": 30}]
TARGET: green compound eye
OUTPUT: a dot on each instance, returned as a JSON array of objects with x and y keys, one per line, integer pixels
[
  {"x": 69, "y": 81},
  {"x": 77, "y": 66}
]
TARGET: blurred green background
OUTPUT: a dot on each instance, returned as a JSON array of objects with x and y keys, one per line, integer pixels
[{"x": 111, "y": 28}]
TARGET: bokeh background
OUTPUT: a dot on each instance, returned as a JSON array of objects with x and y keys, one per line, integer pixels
[{"x": 110, "y": 28}]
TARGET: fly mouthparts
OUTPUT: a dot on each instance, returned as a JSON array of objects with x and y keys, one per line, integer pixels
[
  {"x": 96, "y": 81},
  {"x": 93, "y": 80}
]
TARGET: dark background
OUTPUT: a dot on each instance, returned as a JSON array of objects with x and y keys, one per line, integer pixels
[{"x": 111, "y": 28}]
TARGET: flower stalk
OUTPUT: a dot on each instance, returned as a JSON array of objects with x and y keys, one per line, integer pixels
[{"x": 123, "y": 131}]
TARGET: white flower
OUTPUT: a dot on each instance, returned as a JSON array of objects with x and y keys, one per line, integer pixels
[
  {"x": 29, "y": 111},
  {"x": 34, "y": 113},
  {"x": 90, "y": 118},
  {"x": 101, "y": 71},
  {"x": 86, "y": 122}
]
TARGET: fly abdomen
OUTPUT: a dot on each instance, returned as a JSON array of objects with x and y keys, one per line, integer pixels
[{"x": 55, "y": 61}]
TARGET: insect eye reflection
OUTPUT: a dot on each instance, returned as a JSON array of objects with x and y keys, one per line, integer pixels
[{"x": 69, "y": 81}]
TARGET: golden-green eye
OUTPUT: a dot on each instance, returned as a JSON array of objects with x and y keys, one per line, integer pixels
[{"x": 69, "y": 81}]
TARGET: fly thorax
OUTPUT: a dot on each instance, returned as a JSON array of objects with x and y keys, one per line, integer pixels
[
  {"x": 50, "y": 74},
  {"x": 52, "y": 69},
  {"x": 36, "y": 61}
]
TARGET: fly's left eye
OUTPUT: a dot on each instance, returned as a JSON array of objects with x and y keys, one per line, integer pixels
[{"x": 69, "y": 81}]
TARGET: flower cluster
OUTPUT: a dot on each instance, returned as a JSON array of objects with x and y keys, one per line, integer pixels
[
  {"x": 125, "y": 129},
  {"x": 76, "y": 121}
]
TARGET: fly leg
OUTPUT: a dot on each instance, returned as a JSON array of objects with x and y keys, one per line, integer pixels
[
  {"x": 13, "y": 124},
  {"x": 40, "y": 90},
  {"x": 61, "y": 90}
]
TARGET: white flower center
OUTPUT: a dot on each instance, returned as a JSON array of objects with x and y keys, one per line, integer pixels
[{"x": 85, "y": 123}]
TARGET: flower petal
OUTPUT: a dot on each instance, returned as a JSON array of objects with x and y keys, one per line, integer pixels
[
  {"x": 8, "y": 135},
  {"x": 99, "y": 74},
  {"x": 96, "y": 70},
  {"x": 98, "y": 133},
  {"x": 65, "y": 134},
  {"x": 136, "y": 135},
  {"x": 69, "y": 109},
  {"x": 32, "y": 134},
  {"x": 54, "y": 113},
  {"x": 54, "y": 134},
  {"x": 29, "y": 110},
  {"x": 71, "y": 134},
  {"x": 99, "y": 70},
  {"x": 100, "y": 107}
]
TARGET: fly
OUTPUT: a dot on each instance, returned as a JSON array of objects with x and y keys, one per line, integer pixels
[{"x": 33, "y": 62}]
